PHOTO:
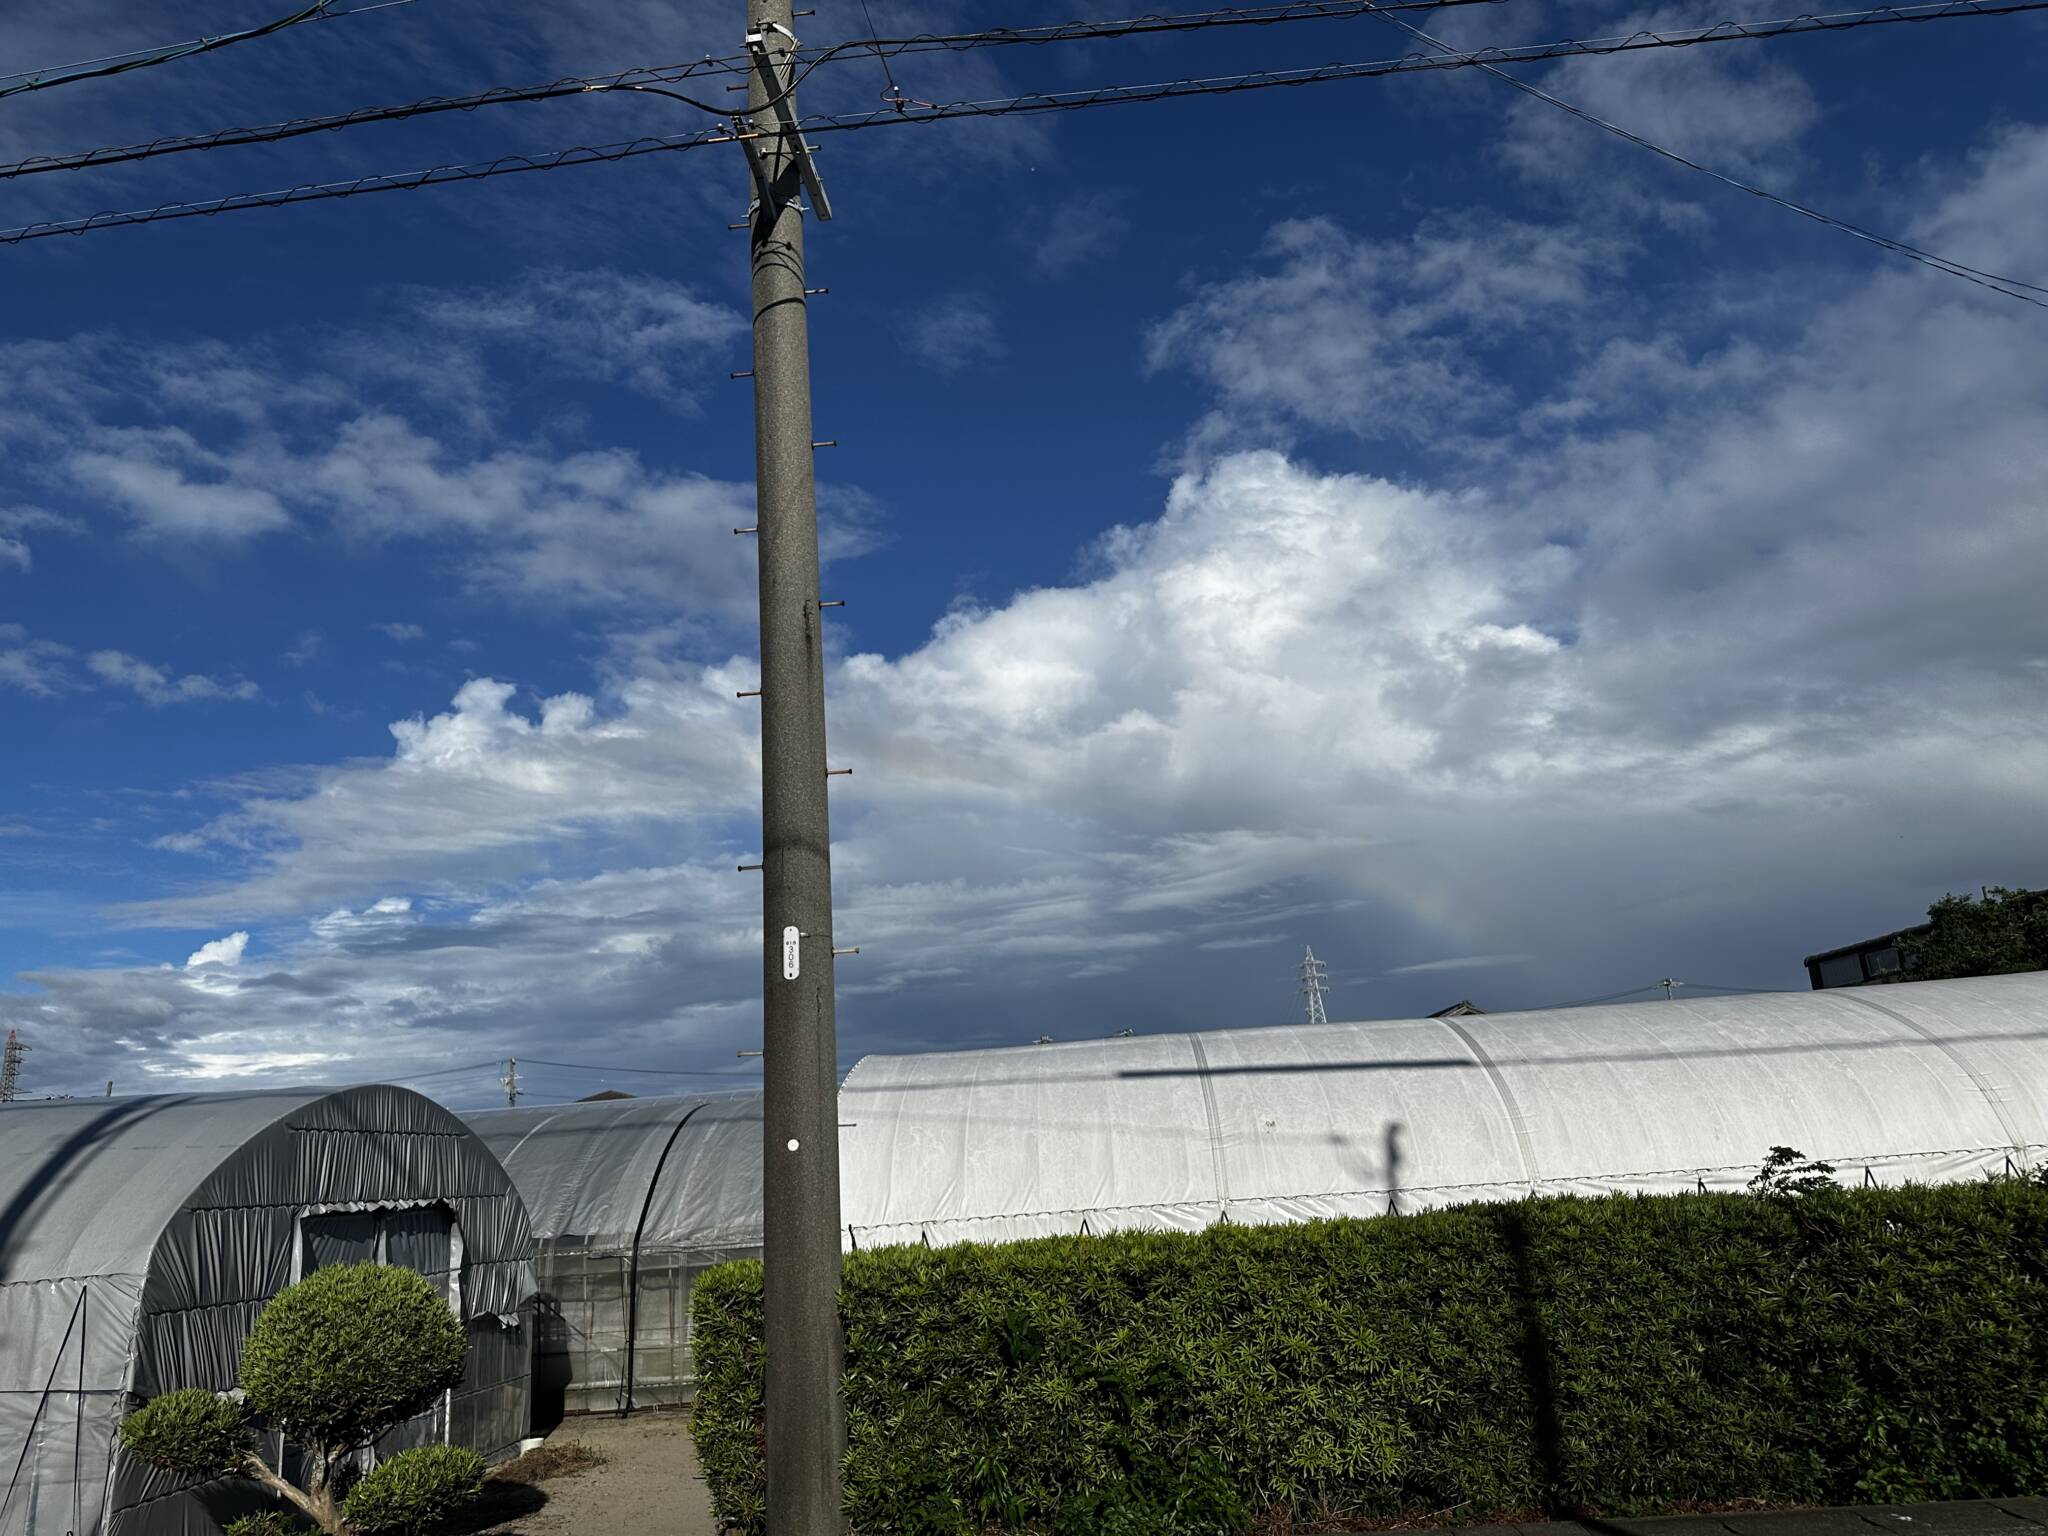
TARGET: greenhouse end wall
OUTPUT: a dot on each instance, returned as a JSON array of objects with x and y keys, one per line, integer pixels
[
  {"x": 630, "y": 1200},
  {"x": 141, "y": 1238},
  {"x": 590, "y": 1306}
]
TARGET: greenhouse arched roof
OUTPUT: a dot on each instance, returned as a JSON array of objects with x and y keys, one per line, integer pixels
[
  {"x": 86, "y": 1185},
  {"x": 672, "y": 1172},
  {"x": 1930, "y": 1081}
]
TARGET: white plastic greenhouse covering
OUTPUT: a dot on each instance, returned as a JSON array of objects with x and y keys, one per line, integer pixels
[
  {"x": 1931, "y": 1081},
  {"x": 140, "y": 1237},
  {"x": 631, "y": 1199}
]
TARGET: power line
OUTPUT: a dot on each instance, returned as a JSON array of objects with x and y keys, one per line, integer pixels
[
  {"x": 589, "y": 1066},
  {"x": 501, "y": 1065},
  {"x": 147, "y": 58},
  {"x": 1719, "y": 32},
  {"x": 895, "y": 92},
  {"x": 647, "y": 76},
  {"x": 474, "y": 1066},
  {"x": 402, "y": 181},
  {"x": 299, "y": 127},
  {"x": 1665, "y": 985},
  {"x": 1611, "y": 997},
  {"x": 1136, "y": 26},
  {"x": 1066, "y": 101},
  {"x": 1992, "y": 280}
]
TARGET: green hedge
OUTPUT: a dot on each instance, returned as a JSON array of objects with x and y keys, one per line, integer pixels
[{"x": 1620, "y": 1356}]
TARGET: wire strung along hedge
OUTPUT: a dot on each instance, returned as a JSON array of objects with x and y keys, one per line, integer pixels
[{"x": 1617, "y": 1356}]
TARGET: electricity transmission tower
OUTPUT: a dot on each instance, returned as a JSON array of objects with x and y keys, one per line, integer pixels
[
  {"x": 10, "y": 1065},
  {"x": 1315, "y": 979}
]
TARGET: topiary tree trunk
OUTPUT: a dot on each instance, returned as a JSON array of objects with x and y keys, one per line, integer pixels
[{"x": 333, "y": 1363}]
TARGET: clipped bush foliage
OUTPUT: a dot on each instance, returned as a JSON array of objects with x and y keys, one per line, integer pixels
[
  {"x": 268, "y": 1522},
  {"x": 349, "y": 1351},
  {"x": 415, "y": 1492},
  {"x": 1616, "y": 1356},
  {"x": 188, "y": 1431}
]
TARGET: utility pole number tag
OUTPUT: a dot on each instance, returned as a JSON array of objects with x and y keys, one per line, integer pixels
[{"x": 790, "y": 942}]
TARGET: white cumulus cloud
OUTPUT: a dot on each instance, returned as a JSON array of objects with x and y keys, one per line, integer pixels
[{"x": 221, "y": 952}]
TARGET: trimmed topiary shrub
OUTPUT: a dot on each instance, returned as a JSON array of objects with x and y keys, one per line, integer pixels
[
  {"x": 1620, "y": 1356},
  {"x": 269, "y": 1522},
  {"x": 415, "y": 1492},
  {"x": 199, "y": 1434},
  {"x": 348, "y": 1352},
  {"x": 333, "y": 1363}
]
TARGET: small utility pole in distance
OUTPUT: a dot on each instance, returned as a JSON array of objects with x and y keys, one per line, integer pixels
[
  {"x": 804, "y": 1414},
  {"x": 510, "y": 1082}
]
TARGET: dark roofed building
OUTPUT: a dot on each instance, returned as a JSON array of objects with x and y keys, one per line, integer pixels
[{"x": 1884, "y": 958}]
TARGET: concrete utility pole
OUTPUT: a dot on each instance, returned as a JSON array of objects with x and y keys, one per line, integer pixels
[
  {"x": 509, "y": 1081},
  {"x": 804, "y": 1412}
]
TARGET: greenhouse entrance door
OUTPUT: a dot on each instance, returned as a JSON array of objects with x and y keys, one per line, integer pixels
[{"x": 422, "y": 1238}]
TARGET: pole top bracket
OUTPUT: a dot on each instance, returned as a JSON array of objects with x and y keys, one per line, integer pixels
[{"x": 779, "y": 91}]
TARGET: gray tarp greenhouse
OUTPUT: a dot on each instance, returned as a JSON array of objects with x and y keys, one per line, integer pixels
[
  {"x": 140, "y": 1237},
  {"x": 1934, "y": 1081},
  {"x": 630, "y": 1200}
]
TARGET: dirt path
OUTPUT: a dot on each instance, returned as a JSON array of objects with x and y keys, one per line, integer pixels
[{"x": 647, "y": 1486}]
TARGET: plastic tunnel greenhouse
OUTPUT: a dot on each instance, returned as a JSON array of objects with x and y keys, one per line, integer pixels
[
  {"x": 1932, "y": 1081},
  {"x": 631, "y": 1199},
  {"x": 140, "y": 1237}
]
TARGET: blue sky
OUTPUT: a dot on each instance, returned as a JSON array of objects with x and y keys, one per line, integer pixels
[{"x": 1391, "y": 516}]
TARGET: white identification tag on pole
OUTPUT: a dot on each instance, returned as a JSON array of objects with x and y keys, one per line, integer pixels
[{"x": 790, "y": 942}]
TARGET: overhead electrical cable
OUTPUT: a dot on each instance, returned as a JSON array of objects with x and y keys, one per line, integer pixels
[
  {"x": 474, "y": 1066},
  {"x": 644, "y": 76},
  {"x": 572, "y": 1066},
  {"x": 1611, "y": 997},
  {"x": 1135, "y": 26},
  {"x": 399, "y": 181},
  {"x": 27, "y": 80},
  {"x": 2009, "y": 286},
  {"x": 299, "y": 127},
  {"x": 588, "y": 1066},
  {"x": 894, "y": 92},
  {"x": 1044, "y": 102},
  {"x": 1523, "y": 53}
]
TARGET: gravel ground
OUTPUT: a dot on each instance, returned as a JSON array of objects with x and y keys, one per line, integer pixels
[{"x": 647, "y": 1486}]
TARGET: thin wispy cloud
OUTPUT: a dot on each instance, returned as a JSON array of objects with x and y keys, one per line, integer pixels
[
  {"x": 954, "y": 334},
  {"x": 1458, "y": 963}
]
